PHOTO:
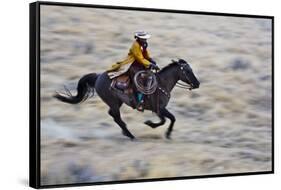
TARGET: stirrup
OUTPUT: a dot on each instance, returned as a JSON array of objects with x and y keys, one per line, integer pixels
[{"x": 140, "y": 106}]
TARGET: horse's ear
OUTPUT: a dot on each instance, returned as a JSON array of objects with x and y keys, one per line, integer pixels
[
  {"x": 173, "y": 61},
  {"x": 181, "y": 61}
]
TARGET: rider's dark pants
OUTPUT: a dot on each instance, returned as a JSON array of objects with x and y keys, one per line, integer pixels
[{"x": 134, "y": 68}]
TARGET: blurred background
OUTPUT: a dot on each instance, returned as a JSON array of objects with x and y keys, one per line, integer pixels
[{"x": 223, "y": 127}]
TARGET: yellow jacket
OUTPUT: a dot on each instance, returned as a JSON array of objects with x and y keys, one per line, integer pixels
[{"x": 135, "y": 54}]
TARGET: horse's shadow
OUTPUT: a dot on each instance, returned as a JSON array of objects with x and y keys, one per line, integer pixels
[
  {"x": 145, "y": 138},
  {"x": 140, "y": 138}
]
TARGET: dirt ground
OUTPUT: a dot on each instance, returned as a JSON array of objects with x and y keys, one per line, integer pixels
[{"x": 222, "y": 127}]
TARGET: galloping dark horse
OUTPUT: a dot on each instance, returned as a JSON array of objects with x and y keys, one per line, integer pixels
[{"x": 167, "y": 79}]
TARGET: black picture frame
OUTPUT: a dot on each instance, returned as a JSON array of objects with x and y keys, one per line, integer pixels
[{"x": 34, "y": 98}]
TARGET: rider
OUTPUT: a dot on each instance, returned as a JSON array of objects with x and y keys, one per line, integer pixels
[{"x": 139, "y": 56}]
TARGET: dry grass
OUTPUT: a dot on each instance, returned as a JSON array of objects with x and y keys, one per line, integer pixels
[{"x": 223, "y": 127}]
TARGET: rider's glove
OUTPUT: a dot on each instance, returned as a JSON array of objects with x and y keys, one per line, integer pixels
[
  {"x": 152, "y": 61},
  {"x": 153, "y": 66}
]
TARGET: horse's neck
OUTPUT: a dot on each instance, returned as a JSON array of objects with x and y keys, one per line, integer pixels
[{"x": 168, "y": 79}]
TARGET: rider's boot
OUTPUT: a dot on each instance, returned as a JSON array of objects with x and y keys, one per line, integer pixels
[{"x": 140, "y": 106}]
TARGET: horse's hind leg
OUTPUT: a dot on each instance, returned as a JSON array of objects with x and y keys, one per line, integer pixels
[
  {"x": 115, "y": 113},
  {"x": 155, "y": 125},
  {"x": 167, "y": 114}
]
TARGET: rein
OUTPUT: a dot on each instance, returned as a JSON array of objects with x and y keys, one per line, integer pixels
[
  {"x": 178, "y": 84},
  {"x": 182, "y": 85}
]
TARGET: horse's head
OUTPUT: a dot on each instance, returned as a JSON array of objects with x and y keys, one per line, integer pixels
[{"x": 186, "y": 74}]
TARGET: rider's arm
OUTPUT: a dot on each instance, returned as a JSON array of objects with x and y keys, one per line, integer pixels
[
  {"x": 146, "y": 54},
  {"x": 136, "y": 51}
]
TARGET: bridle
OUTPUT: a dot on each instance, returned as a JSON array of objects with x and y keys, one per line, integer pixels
[
  {"x": 183, "y": 85},
  {"x": 178, "y": 84}
]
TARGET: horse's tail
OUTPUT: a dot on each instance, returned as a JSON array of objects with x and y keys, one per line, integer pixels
[{"x": 85, "y": 88}]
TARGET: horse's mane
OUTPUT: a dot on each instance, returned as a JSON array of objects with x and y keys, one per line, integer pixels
[{"x": 168, "y": 66}]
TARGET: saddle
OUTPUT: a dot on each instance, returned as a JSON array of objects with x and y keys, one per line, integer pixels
[
  {"x": 122, "y": 83},
  {"x": 143, "y": 81},
  {"x": 133, "y": 81}
]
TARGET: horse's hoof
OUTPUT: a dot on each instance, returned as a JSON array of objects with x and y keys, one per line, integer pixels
[
  {"x": 128, "y": 135},
  {"x": 148, "y": 122},
  {"x": 168, "y": 136}
]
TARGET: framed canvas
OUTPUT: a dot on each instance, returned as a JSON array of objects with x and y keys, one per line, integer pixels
[{"x": 126, "y": 94}]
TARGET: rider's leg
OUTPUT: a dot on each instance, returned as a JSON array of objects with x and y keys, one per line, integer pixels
[
  {"x": 140, "y": 97},
  {"x": 140, "y": 101}
]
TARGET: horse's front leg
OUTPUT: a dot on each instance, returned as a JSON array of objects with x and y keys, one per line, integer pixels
[
  {"x": 167, "y": 114},
  {"x": 115, "y": 113},
  {"x": 155, "y": 125}
]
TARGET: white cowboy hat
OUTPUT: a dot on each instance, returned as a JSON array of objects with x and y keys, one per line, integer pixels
[{"x": 142, "y": 35}]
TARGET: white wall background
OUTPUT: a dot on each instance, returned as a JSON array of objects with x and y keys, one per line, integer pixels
[{"x": 14, "y": 95}]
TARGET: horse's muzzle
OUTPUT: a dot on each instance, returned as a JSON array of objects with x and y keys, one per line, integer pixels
[{"x": 196, "y": 85}]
